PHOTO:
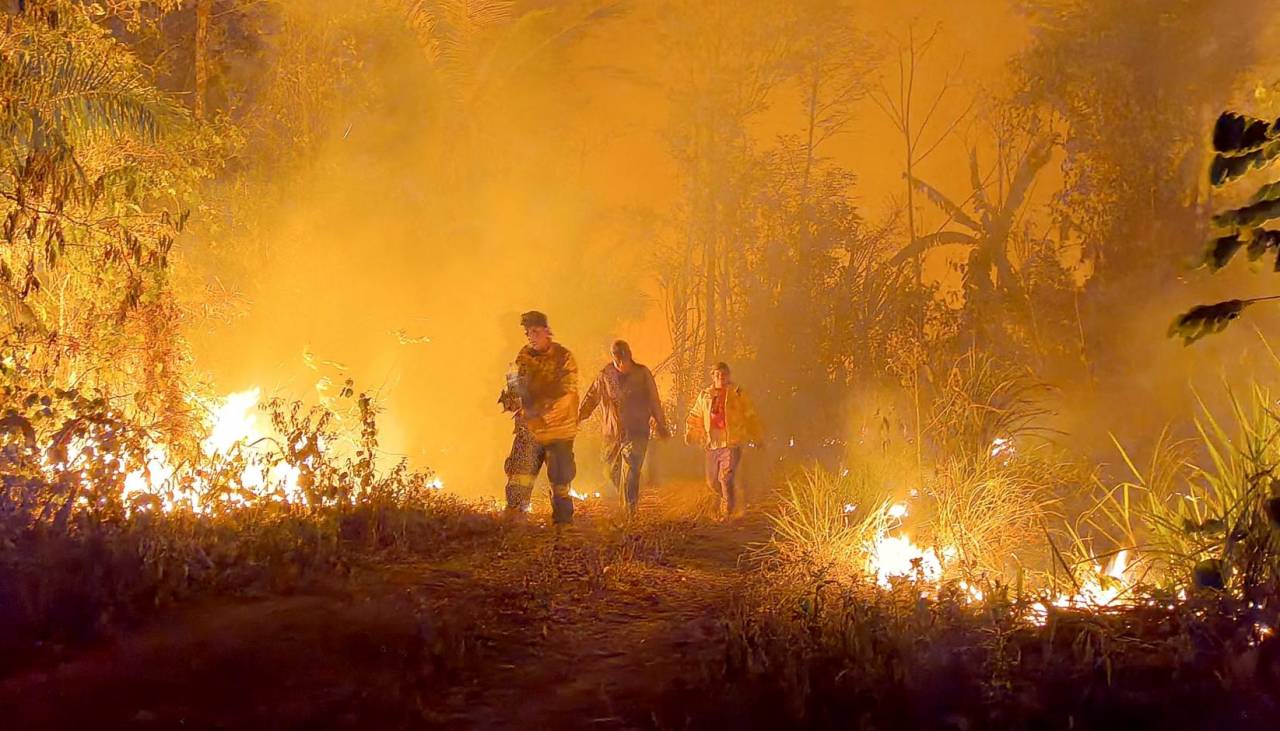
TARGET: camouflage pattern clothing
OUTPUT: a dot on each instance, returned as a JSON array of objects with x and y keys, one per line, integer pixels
[
  {"x": 542, "y": 389},
  {"x": 525, "y": 462}
]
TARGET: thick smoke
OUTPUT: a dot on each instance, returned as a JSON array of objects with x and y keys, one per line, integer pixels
[{"x": 434, "y": 198}]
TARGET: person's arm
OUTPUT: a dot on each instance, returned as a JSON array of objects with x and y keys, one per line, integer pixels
[
  {"x": 751, "y": 420},
  {"x": 656, "y": 410},
  {"x": 590, "y": 401},
  {"x": 655, "y": 407},
  {"x": 569, "y": 384}
]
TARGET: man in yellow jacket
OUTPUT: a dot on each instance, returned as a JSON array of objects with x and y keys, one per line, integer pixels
[
  {"x": 542, "y": 392},
  {"x": 721, "y": 421}
]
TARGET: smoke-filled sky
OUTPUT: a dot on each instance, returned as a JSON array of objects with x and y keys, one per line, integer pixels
[{"x": 433, "y": 202}]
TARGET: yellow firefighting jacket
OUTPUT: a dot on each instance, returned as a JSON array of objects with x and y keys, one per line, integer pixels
[
  {"x": 742, "y": 425},
  {"x": 551, "y": 381}
]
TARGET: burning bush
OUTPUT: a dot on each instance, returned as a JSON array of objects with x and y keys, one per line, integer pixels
[
  {"x": 970, "y": 521},
  {"x": 99, "y": 521}
]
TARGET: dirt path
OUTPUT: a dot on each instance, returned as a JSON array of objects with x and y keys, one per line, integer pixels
[
  {"x": 610, "y": 650},
  {"x": 532, "y": 630}
]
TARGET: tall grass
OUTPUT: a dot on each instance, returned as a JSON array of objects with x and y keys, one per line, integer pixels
[
  {"x": 990, "y": 509},
  {"x": 825, "y": 521},
  {"x": 1198, "y": 514}
]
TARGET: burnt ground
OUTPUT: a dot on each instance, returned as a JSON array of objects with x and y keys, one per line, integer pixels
[{"x": 529, "y": 629}]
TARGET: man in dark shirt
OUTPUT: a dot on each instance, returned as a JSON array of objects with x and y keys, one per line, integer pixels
[{"x": 628, "y": 399}]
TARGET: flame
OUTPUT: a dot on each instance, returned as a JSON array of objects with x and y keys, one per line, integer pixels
[
  {"x": 234, "y": 424},
  {"x": 1102, "y": 588},
  {"x": 896, "y": 557},
  {"x": 892, "y": 555},
  {"x": 234, "y": 421}
]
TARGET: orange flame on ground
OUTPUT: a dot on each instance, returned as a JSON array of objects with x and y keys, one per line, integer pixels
[
  {"x": 234, "y": 424},
  {"x": 893, "y": 556}
]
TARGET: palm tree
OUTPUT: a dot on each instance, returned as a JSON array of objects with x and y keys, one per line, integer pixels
[{"x": 75, "y": 98}]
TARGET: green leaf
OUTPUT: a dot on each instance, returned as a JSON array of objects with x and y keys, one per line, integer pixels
[
  {"x": 1206, "y": 319},
  {"x": 1222, "y": 249}
]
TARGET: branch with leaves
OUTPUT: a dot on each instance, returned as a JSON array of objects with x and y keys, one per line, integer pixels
[{"x": 1242, "y": 144}]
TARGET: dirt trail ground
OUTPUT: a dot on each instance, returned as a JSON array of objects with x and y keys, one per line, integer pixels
[{"x": 527, "y": 629}]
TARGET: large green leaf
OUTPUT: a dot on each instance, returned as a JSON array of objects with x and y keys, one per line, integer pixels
[{"x": 1253, "y": 214}]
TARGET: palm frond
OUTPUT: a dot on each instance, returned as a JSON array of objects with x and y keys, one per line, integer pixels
[
  {"x": 59, "y": 89},
  {"x": 924, "y": 243},
  {"x": 980, "y": 201},
  {"x": 939, "y": 199}
]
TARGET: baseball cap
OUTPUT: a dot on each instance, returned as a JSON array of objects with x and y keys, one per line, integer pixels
[{"x": 533, "y": 318}]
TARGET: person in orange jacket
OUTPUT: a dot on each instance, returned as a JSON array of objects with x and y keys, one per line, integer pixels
[
  {"x": 721, "y": 421},
  {"x": 542, "y": 394}
]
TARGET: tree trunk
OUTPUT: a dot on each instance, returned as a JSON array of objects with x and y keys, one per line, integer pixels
[
  {"x": 204, "y": 9},
  {"x": 709, "y": 273}
]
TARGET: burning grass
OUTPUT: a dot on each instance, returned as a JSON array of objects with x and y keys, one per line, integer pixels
[
  {"x": 974, "y": 603},
  {"x": 101, "y": 522},
  {"x": 965, "y": 526},
  {"x": 835, "y": 656}
]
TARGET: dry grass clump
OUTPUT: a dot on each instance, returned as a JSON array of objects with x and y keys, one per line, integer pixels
[
  {"x": 1202, "y": 514},
  {"x": 988, "y": 509},
  {"x": 824, "y": 522}
]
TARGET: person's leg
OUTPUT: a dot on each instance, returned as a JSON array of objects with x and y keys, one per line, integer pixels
[
  {"x": 733, "y": 488},
  {"x": 720, "y": 461},
  {"x": 633, "y": 451},
  {"x": 712, "y": 472},
  {"x": 561, "y": 470},
  {"x": 522, "y": 467},
  {"x": 613, "y": 468}
]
